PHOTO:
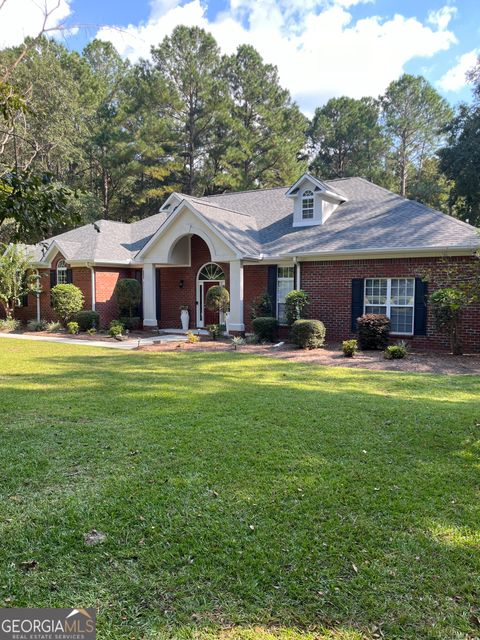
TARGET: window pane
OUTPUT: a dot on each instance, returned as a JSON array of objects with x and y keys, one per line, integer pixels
[
  {"x": 286, "y": 272},
  {"x": 284, "y": 286},
  {"x": 403, "y": 291},
  {"x": 401, "y": 319},
  {"x": 377, "y": 310},
  {"x": 375, "y": 291}
]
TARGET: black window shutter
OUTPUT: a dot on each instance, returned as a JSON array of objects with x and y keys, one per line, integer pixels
[
  {"x": 357, "y": 301},
  {"x": 53, "y": 278},
  {"x": 272, "y": 287},
  {"x": 24, "y": 300},
  {"x": 69, "y": 276},
  {"x": 420, "y": 321}
]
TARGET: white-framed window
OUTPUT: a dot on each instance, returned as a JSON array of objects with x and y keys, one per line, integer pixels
[
  {"x": 285, "y": 284},
  {"x": 62, "y": 277},
  {"x": 307, "y": 205},
  {"x": 393, "y": 297}
]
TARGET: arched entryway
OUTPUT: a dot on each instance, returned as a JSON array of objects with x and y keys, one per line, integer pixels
[{"x": 209, "y": 275}]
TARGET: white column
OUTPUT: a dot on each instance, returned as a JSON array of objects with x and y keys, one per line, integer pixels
[
  {"x": 236, "y": 296},
  {"x": 149, "y": 296}
]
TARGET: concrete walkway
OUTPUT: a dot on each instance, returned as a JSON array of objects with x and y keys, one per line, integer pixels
[{"x": 127, "y": 345}]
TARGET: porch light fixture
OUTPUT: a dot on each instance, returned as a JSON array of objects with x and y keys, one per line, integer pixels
[{"x": 180, "y": 284}]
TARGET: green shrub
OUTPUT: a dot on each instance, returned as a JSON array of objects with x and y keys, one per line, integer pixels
[
  {"x": 265, "y": 329},
  {"x": 349, "y": 348},
  {"x": 116, "y": 328},
  {"x": 396, "y": 351},
  {"x": 296, "y": 303},
  {"x": 214, "y": 330},
  {"x": 53, "y": 327},
  {"x": 192, "y": 337},
  {"x": 217, "y": 298},
  {"x": 132, "y": 324},
  {"x": 128, "y": 293},
  {"x": 67, "y": 301},
  {"x": 8, "y": 325},
  {"x": 308, "y": 334},
  {"x": 92, "y": 331},
  {"x": 373, "y": 331},
  {"x": 261, "y": 307},
  {"x": 73, "y": 328},
  {"x": 87, "y": 319},
  {"x": 36, "y": 325}
]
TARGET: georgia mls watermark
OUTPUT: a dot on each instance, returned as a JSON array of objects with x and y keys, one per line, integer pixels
[{"x": 47, "y": 624}]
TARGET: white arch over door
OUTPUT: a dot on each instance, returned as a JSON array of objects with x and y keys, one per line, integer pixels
[{"x": 208, "y": 272}]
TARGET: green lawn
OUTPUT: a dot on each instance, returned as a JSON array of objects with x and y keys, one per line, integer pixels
[{"x": 242, "y": 497}]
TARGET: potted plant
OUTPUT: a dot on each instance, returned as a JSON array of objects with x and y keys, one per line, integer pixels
[{"x": 184, "y": 317}]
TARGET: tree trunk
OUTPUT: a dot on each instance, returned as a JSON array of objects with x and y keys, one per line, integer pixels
[{"x": 455, "y": 341}]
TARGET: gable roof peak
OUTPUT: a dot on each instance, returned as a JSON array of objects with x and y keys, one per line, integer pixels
[{"x": 319, "y": 185}]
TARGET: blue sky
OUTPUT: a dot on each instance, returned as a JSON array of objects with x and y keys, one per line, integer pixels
[{"x": 322, "y": 47}]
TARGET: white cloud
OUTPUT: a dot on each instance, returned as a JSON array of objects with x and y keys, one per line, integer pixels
[
  {"x": 22, "y": 18},
  {"x": 455, "y": 78},
  {"x": 441, "y": 18},
  {"x": 320, "y": 50}
]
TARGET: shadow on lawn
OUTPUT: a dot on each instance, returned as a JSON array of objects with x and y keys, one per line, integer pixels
[{"x": 236, "y": 490}]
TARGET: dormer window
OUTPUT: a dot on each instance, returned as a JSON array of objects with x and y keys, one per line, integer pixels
[{"x": 307, "y": 205}]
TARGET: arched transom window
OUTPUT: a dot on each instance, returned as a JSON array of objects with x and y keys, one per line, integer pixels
[
  {"x": 62, "y": 277},
  {"x": 307, "y": 204},
  {"x": 211, "y": 271}
]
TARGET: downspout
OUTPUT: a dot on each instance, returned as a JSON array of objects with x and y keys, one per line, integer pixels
[
  {"x": 297, "y": 272},
  {"x": 37, "y": 301},
  {"x": 92, "y": 271}
]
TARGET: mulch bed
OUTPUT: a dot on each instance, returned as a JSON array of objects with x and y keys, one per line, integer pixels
[{"x": 331, "y": 355}]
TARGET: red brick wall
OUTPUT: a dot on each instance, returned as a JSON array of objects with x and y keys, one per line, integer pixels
[
  {"x": 172, "y": 297},
  {"x": 105, "y": 280},
  {"x": 255, "y": 283},
  {"x": 329, "y": 285}
]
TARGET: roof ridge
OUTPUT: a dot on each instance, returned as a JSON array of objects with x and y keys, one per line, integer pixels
[
  {"x": 216, "y": 206},
  {"x": 234, "y": 193}
]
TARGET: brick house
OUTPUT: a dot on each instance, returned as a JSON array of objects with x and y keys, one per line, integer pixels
[{"x": 353, "y": 246}]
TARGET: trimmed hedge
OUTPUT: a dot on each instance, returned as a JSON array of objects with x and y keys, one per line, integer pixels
[
  {"x": 265, "y": 328},
  {"x": 373, "y": 331},
  {"x": 87, "y": 320},
  {"x": 308, "y": 334},
  {"x": 67, "y": 301}
]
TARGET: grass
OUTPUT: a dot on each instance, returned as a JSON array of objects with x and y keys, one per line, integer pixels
[{"x": 242, "y": 497}]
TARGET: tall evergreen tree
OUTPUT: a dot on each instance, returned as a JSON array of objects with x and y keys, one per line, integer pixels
[
  {"x": 460, "y": 161},
  {"x": 188, "y": 61},
  {"x": 347, "y": 139},
  {"x": 267, "y": 147},
  {"x": 414, "y": 115}
]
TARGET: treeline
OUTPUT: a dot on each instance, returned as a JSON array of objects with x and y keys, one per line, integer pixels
[{"x": 123, "y": 136}]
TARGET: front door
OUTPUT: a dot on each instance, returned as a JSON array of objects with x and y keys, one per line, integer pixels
[{"x": 209, "y": 317}]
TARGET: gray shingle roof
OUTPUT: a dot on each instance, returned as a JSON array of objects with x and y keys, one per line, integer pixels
[{"x": 260, "y": 222}]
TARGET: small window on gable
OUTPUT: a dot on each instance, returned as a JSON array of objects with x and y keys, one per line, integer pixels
[
  {"x": 62, "y": 277},
  {"x": 307, "y": 205}
]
